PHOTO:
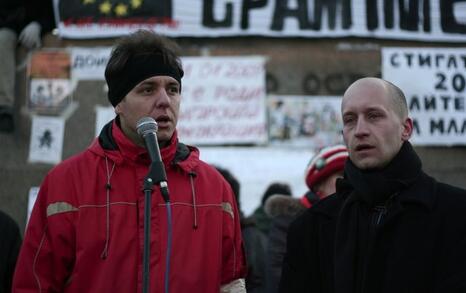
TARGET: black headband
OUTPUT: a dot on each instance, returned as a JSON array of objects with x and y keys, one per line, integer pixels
[{"x": 137, "y": 69}]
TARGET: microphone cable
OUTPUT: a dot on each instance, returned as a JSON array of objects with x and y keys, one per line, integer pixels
[{"x": 169, "y": 244}]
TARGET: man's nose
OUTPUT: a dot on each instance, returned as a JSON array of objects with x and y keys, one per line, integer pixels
[
  {"x": 162, "y": 99},
  {"x": 361, "y": 128}
]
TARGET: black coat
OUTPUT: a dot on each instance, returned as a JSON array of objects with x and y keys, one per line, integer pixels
[
  {"x": 10, "y": 242},
  {"x": 418, "y": 247}
]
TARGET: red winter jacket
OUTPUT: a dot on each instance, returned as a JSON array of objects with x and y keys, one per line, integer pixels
[{"x": 82, "y": 239}]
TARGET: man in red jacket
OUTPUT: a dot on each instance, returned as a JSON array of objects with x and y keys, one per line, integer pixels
[{"x": 86, "y": 230}]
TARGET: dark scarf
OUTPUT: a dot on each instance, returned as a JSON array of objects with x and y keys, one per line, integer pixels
[
  {"x": 376, "y": 186},
  {"x": 366, "y": 189}
]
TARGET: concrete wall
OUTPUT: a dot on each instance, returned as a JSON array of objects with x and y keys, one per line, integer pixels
[{"x": 295, "y": 66}]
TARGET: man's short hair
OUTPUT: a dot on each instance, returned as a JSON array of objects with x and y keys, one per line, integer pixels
[
  {"x": 161, "y": 54},
  {"x": 399, "y": 99}
]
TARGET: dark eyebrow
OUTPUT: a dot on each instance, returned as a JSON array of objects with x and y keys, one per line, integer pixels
[{"x": 146, "y": 83}]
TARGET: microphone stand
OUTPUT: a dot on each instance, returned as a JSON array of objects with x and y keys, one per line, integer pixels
[
  {"x": 148, "y": 185},
  {"x": 156, "y": 175}
]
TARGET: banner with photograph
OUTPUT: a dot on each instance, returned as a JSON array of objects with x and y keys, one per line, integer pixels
[
  {"x": 304, "y": 121},
  {"x": 425, "y": 20},
  {"x": 434, "y": 82}
]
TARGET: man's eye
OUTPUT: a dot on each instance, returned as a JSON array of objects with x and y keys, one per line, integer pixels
[
  {"x": 348, "y": 120},
  {"x": 147, "y": 90},
  {"x": 374, "y": 115},
  {"x": 174, "y": 89}
]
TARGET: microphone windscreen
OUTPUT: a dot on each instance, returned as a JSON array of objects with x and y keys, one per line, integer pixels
[{"x": 146, "y": 125}]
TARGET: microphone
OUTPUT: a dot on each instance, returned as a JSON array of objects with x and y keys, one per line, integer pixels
[{"x": 147, "y": 128}]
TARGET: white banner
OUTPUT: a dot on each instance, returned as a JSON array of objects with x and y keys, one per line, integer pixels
[
  {"x": 432, "y": 20},
  {"x": 434, "y": 82},
  {"x": 223, "y": 101},
  {"x": 223, "y": 98},
  {"x": 89, "y": 63}
]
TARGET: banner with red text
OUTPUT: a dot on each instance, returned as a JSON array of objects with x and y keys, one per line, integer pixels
[
  {"x": 425, "y": 20},
  {"x": 223, "y": 101}
]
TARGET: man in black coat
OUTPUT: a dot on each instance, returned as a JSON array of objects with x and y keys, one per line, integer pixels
[{"x": 390, "y": 227}]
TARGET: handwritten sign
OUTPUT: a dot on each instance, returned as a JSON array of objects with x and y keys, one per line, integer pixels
[
  {"x": 434, "y": 82},
  {"x": 223, "y": 101}
]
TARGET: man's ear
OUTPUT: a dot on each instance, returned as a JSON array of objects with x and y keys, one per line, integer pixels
[
  {"x": 118, "y": 109},
  {"x": 407, "y": 129}
]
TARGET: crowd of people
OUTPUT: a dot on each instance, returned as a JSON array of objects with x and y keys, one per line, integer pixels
[{"x": 371, "y": 220}]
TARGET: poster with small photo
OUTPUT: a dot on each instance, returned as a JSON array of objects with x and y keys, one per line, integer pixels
[
  {"x": 50, "y": 87},
  {"x": 46, "y": 139},
  {"x": 49, "y": 95}
]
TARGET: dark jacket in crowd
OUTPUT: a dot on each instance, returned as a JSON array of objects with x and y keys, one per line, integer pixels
[
  {"x": 255, "y": 242},
  {"x": 282, "y": 210},
  {"x": 394, "y": 230},
  {"x": 10, "y": 242}
]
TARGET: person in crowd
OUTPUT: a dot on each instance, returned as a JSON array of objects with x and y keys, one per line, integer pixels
[
  {"x": 86, "y": 230},
  {"x": 254, "y": 241},
  {"x": 24, "y": 21},
  {"x": 321, "y": 174},
  {"x": 260, "y": 217},
  {"x": 389, "y": 227},
  {"x": 10, "y": 242}
]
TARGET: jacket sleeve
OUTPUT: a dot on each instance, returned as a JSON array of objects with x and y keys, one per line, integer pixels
[
  {"x": 233, "y": 254},
  {"x": 301, "y": 261},
  {"x": 47, "y": 254},
  {"x": 451, "y": 255}
]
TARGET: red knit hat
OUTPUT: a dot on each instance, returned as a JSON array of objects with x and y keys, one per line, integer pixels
[{"x": 327, "y": 161}]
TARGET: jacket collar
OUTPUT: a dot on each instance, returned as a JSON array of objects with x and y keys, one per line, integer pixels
[
  {"x": 113, "y": 143},
  {"x": 423, "y": 192}
]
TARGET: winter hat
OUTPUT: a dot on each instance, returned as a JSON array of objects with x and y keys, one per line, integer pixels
[{"x": 327, "y": 161}]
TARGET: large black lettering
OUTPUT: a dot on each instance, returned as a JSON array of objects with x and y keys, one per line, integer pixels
[
  {"x": 409, "y": 14},
  {"x": 414, "y": 104},
  {"x": 430, "y": 103},
  {"x": 331, "y": 6},
  {"x": 426, "y": 12},
  {"x": 247, "y": 6},
  {"x": 424, "y": 60},
  {"x": 416, "y": 128},
  {"x": 452, "y": 127},
  {"x": 208, "y": 19},
  {"x": 389, "y": 13},
  {"x": 447, "y": 17},
  {"x": 282, "y": 11},
  {"x": 437, "y": 126},
  {"x": 393, "y": 60}
]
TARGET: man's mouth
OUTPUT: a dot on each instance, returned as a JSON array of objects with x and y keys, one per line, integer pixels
[
  {"x": 363, "y": 147},
  {"x": 162, "y": 121}
]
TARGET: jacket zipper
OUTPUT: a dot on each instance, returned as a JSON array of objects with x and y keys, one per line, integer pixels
[{"x": 379, "y": 213}]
